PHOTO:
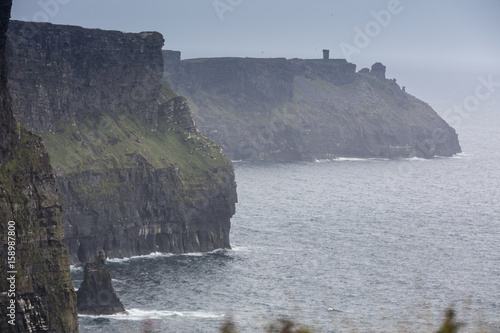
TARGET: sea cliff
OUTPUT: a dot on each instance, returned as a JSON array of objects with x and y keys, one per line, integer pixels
[
  {"x": 135, "y": 174},
  {"x": 37, "y": 293},
  {"x": 306, "y": 109}
]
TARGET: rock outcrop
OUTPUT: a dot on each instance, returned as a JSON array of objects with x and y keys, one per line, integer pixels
[
  {"x": 37, "y": 293},
  {"x": 283, "y": 110},
  {"x": 136, "y": 175},
  {"x": 96, "y": 295}
]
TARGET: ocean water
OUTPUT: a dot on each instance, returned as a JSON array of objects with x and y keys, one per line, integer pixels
[{"x": 343, "y": 245}]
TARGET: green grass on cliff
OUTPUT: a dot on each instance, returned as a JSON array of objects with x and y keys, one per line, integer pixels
[
  {"x": 122, "y": 142},
  {"x": 28, "y": 196},
  {"x": 25, "y": 160},
  {"x": 166, "y": 91}
]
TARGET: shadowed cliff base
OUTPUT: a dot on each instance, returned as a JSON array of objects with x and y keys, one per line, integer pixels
[
  {"x": 136, "y": 175},
  {"x": 37, "y": 293},
  {"x": 299, "y": 109}
]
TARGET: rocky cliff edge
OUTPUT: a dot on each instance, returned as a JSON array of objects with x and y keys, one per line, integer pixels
[
  {"x": 37, "y": 293},
  {"x": 136, "y": 175}
]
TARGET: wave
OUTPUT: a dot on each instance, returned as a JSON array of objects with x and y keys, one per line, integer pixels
[
  {"x": 153, "y": 255},
  {"x": 350, "y": 159},
  {"x": 462, "y": 155},
  {"x": 237, "y": 248},
  {"x": 146, "y": 256},
  {"x": 139, "y": 315},
  {"x": 411, "y": 159},
  {"x": 369, "y": 159},
  {"x": 354, "y": 159},
  {"x": 74, "y": 268}
]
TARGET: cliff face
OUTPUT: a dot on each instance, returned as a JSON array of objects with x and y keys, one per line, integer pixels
[
  {"x": 135, "y": 173},
  {"x": 6, "y": 117},
  {"x": 69, "y": 73},
  {"x": 43, "y": 296},
  {"x": 277, "y": 109}
]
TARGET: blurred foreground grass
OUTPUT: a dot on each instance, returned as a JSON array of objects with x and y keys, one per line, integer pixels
[{"x": 285, "y": 325}]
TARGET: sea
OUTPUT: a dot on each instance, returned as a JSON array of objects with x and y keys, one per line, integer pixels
[{"x": 340, "y": 245}]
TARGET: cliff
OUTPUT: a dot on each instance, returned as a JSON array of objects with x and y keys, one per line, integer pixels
[
  {"x": 278, "y": 109},
  {"x": 36, "y": 289},
  {"x": 135, "y": 173},
  {"x": 7, "y": 142}
]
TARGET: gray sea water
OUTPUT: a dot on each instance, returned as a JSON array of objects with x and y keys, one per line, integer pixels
[{"x": 343, "y": 245}]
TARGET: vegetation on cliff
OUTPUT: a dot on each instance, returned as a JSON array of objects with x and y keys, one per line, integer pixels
[
  {"x": 119, "y": 141},
  {"x": 306, "y": 109},
  {"x": 135, "y": 173},
  {"x": 45, "y": 296},
  {"x": 36, "y": 289}
]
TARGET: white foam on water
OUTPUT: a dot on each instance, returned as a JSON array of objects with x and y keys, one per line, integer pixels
[
  {"x": 75, "y": 268},
  {"x": 139, "y": 315},
  {"x": 351, "y": 159},
  {"x": 462, "y": 155},
  {"x": 412, "y": 159},
  {"x": 194, "y": 254},
  {"x": 238, "y": 248},
  {"x": 153, "y": 255},
  {"x": 146, "y": 256}
]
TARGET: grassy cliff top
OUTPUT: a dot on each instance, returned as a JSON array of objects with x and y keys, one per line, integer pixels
[{"x": 122, "y": 142}]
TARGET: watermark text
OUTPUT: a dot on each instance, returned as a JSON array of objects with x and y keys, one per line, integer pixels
[{"x": 11, "y": 272}]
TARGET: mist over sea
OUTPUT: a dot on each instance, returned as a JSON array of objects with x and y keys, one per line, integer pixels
[{"x": 341, "y": 244}]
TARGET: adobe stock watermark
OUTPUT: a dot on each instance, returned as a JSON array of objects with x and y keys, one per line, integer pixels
[
  {"x": 484, "y": 90},
  {"x": 372, "y": 29},
  {"x": 264, "y": 137},
  {"x": 48, "y": 9},
  {"x": 454, "y": 116},
  {"x": 11, "y": 272},
  {"x": 223, "y": 6}
]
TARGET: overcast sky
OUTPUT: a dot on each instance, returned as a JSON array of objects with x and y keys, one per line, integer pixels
[{"x": 451, "y": 34}]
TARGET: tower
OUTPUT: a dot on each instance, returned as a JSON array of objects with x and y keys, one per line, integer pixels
[{"x": 326, "y": 54}]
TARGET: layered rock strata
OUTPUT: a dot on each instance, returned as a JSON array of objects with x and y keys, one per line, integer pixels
[
  {"x": 285, "y": 110},
  {"x": 135, "y": 173},
  {"x": 37, "y": 293}
]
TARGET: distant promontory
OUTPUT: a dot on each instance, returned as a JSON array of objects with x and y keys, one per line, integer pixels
[{"x": 305, "y": 109}]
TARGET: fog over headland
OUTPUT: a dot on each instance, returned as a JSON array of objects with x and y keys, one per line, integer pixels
[
  {"x": 446, "y": 34},
  {"x": 437, "y": 49}
]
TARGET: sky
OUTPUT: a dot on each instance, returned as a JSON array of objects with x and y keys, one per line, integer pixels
[{"x": 438, "y": 34}]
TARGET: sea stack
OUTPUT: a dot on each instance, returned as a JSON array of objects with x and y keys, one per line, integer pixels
[{"x": 96, "y": 295}]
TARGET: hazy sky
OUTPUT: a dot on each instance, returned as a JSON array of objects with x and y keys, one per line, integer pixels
[{"x": 451, "y": 34}]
